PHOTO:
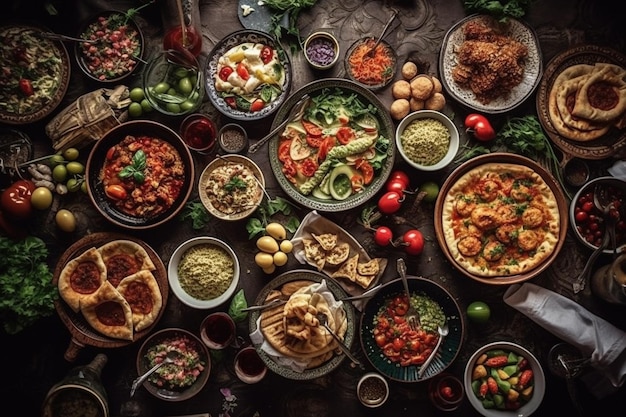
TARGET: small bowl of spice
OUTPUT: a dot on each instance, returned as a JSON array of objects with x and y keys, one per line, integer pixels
[
  {"x": 321, "y": 50},
  {"x": 427, "y": 140},
  {"x": 233, "y": 138},
  {"x": 199, "y": 133},
  {"x": 372, "y": 390}
]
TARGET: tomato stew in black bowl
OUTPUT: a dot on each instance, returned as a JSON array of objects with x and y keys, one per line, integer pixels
[{"x": 118, "y": 181}]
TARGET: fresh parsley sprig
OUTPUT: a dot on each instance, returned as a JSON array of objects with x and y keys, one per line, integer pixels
[
  {"x": 136, "y": 169},
  {"x": 235, "y": 183}
]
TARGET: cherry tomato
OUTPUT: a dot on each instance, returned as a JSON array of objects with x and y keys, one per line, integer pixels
[
  {"x": 381, "y": 339},
  {"x": 400, "y": 176},
  {"x": 383, "y": 236},
  {"x": 15, "y": 199},
  {"x": 479, "y": 127},
  {"x": 225, "y": 73},
  {"x": 398, "y": 344},
  {"x": 345, "y": 135},
  {"x": 588, "y": 206},
  {"x": 446, "y": 392},
  {"x": 231, "y": 102},
  {"x": 581, "y": 216},
  {"x": 395, "y": 185},
  {"x": 390, "y": 202},
  {"x": 257, "y": 105},
  {"x": 414, "y": 241},
  {"x": 26, "y": 86},
  {"x": 366, "y": 169},
  {"x": 116, "y": 192},
  {"x": 242, "y": 71},
  {"x": 267, "y": 53}
]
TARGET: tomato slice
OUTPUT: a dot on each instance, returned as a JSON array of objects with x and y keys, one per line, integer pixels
[
  {"x": 242, "y": 71},
  {"x": 283, "y": 150},
  {"x": 314, "y": 141},
  {"x": 324, "y": 147},
  {"x": 267, "y": 53},
  {"x": 357, "y": 183},
  {"x": 366, "y": 169},
  {"x": 257, "y": 105},
  {"x": 225, "y": 73},
  {"x": 308, "y": 167},
  {"x": 345, "y": 135},
  {"x": 311, "y": 128}
]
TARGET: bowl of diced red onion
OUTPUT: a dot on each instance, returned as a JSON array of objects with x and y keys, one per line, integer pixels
[{"x": 321, "y": 50}]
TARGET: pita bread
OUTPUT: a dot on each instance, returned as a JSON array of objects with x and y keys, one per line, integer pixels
[
  {"x": 327, "y": 240},
  {"x": 123, "y": 258},
  {"x": 108, "y": 312},
  {"x": 371, "y": 267},
  {"x": 338, "y": 254},
  {"x": 81, "y": 277},
  {"x": 142, "y": 293},
  {"x": 314, "y": 252},
  {"x": 364, "y": 281},
  {"x": 614, "y": 78},
  {"x": 348, "y": 269}
]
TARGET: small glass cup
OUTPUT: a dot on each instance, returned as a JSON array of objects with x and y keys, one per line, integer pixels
[
  {"x": 249, "y": 366},
  {"x": 199, "y": 133},
  {"x": 372, "y": 390},
  {"x": 218, "y": 331},
  {"x": 233, "y": 138},
  {"x": 446, "y": 392}
]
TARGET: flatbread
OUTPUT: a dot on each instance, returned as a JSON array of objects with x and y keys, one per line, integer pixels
[
  {"x": 348, "y": 269},
  {"x": 81, "y": 277},
  {"x": 327, "y": 240},
  {"x": 108, "y": 312},
  {"x": 607, "y": 104},
  {"x": 123, "y": 258},
  {"x": 314, "y": 252},
  {"x": 338, "y": 254},
  {"x": 500, "y": 219},
  {"x": 142, "y": 293}
]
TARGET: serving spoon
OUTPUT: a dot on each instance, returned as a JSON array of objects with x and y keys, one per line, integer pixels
[
  {"x": 170, "y": 357},
  {"x": 443, "y": 332},
  {"x": 324, "y": 322},
  {"x": 371, "y": 52}
]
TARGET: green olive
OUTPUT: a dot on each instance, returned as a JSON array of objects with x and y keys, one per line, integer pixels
[
  {"x": 185, "y": 86},
  {"x": 161, "y": 88},
  {"x": 41, "y": 198},
  {"x": 59, "y": 173},
  {"x": 187, "y": 105},
  {"x": 75, "y": 167},
  {"x": 72, "y": 185},
  {"x": 56, "y": 159},
  {"x": 65, "y": 220},
  {"x": 173, "y": 107},
  {"x": 71, "y": 154}
]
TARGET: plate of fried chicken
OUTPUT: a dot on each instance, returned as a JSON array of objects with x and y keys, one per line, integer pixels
[{"x": 488, "y": 65}]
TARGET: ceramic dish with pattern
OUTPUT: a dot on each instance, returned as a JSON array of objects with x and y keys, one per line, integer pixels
[
  {"x": 610, "y": 142},
  {"x": 380, "y": 353},
  {"x": 247, "y": 75},
  {"x": 524, "y": 83},
  {"x": 36, "y": 76},
  {"x": 358, "y": 140},
  {"x": 113, "y": 190},
  {"x": 497, "y": 265},
  {"x": 284, "y": 284},
  {"x": 373, "y": 73}
]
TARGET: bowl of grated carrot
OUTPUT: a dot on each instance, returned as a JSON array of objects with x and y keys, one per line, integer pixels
[{"x": 372, "y": 68}]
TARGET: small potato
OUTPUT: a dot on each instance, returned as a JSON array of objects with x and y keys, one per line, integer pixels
[
  {"x": 267, "y": 244},
  {"x": 264, "y": 259},
  {"x": 276, "y": 230},
  {"x": 421, "y": 87},
  {"x": 409, "y": 70},
  {"x": 286, "y": 246},
  {"x": 399, "y": 108},
  {"x": 280, "y": 258},
  {"x": 401, "y": 89},
  {"x": 437, "y": 85},
  {"x": 436, "y": 102},
  {"x": 416, "y": 104}
]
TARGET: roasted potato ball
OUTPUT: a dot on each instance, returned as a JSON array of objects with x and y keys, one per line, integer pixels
[
  {"x": 437, "y": 85},
  {"x": 421, "y": 87},
  {"x": 409, "y": 70},
  {"x": 401, "y": 89},
  {"x": 415, "y": 104},
  {"x": 399, "y": 108},
  {"x": 436, "y": 102}
]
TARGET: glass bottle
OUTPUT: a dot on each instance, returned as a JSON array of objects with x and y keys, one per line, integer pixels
[{"x": 182, "y": 24}]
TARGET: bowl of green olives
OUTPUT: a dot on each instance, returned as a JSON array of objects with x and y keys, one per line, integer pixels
[{"x": 173, "y": 83}]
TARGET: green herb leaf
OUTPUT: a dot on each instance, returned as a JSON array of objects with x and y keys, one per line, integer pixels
[
  {"x": 237, "y": 304},
  {"x": 198, "y": 214},
  {"x": 235, "y": 183},
  {"x": 135, "y": 170}
]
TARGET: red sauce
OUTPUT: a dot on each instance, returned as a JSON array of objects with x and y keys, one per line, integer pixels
[
  {"x": 173, "y": 39},
  {"x": 86, "y": 278},
  {"x": 219, "y": 329},
  {"x": 111, "y": 313},
  {"x": 120, "y": 266},
  {"x": 199, "y": 134},
  {"x": 139, "y": 297},
  {"x": 250, "y": 363}
]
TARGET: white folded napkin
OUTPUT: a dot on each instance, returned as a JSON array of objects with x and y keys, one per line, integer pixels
[{"x": 604, "y": 343}]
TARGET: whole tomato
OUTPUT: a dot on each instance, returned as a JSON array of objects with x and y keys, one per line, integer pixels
[
  {"x": 15, "y": 199},
  {"x": 396, "y": 185},
  {"x": 413, "y": 241},
  {"x": 390, "y": 202},
  {"x": 479, "y": 126},
  {"x": 383, "y": 236},
  {"x": 400, "y": 176}
]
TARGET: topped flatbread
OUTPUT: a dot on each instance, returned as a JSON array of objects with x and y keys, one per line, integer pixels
[
  {"x": 603, "y": 96},
  {"x": 123, "y": 258},
  {"x": 108, "y": 312},
  {"x": 142, "y": 293},
  {"x": 81, "y": 277},
  {"x": 500, "y": 219}
]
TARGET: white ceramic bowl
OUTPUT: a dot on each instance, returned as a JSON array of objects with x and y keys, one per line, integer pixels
[
  {"x": 415, "y": 157},
  {"x": 538, "y": 381},
  {"x": 174, "y": 279},
  {"x": 329, "y": 50}
]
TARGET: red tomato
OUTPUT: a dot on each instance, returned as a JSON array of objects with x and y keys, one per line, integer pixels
[
  {"x": 414, "y": 241},
  {"x": 257, "y": 105},
  {"x": 581, "y": 216},
  {"x": 345, "y": 135},
  {"x": 357, "y": 182},
  {"x": 314, "y": 141},
  {"x": 15, "y": 199},
  {"x": 225, "y": 73},
  {"x": 110, "y": 153},
  {"x": 267, "y": 53},
  {"x": 401, "y": 176},
  {"x": 588, "y": 206},
  {"x": 242, "y": 71},
  {"x": 311, "y": 128},
  {"x": 395, "y": 185},
  {"x": 390, "y": 202},
  {"x": 326, "y": 145},
  {"x": 283, "y": 150},
  {"x": 446, "y": 392},
  {"x": 381, "y": 339},
  {"x": 383, "y": 236},
  {"x": 479, "y": 126},
  {"x": 398, "y": 344},
  {"x": 116, "y": 192},
  {"x": 26, "y": 86},
  {"x": 366, "y": 169},
  {"x": 308, "y": 167}
]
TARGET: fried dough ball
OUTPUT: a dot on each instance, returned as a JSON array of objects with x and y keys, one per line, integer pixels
[
  {"x": 436, "y": 102},
  {"x": 437, "y": 85},
  {"x": 401, "y": 89},
  {"x": 409, "y": 70},
  {"x": 469, "y": 245},
  {"x": 421, "y": 87},
  {"x": 416, "y": 104},
  {"x": 399, "y": 108},
  {"x": 528, "y": 240},
  {"x": 532, "y": 217}
]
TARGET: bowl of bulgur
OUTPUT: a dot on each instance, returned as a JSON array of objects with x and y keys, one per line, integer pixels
[
  {"x": 203, "y": 272},
  {"x": 427, "y": 140}
]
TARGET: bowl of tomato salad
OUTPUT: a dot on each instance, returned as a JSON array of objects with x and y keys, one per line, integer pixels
[
  {"x": 115, "y": 48},
  {"x": 397, "y": 351},
  {"x": 371, "y": 67},
  {"x": 124, "y": 166}
]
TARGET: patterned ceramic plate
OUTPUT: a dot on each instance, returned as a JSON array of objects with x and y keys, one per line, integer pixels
[
  {"x": 449, "y": 349},
  {"x": 448, "y": 60},
  {"x": 338, "y": 292}
]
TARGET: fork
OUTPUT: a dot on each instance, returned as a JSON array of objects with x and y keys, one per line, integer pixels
[
  {"x": 324, "y": 322},
  {"x": 412, "y": 315},
  {"x": 58, "y": 37}
]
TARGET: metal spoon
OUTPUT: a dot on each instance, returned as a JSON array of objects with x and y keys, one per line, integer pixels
[
  {"x": 324, "y": 322},
  {"x": 603, "y": 201},
  {"x": 295, "y": 113},
  {"x": 443, "y": 332},
  {"x": 371, "y": 52},
  {"x": 171, "y": 356}
]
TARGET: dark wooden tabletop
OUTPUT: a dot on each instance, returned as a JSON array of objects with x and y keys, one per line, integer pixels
[{"x": 35, "y": 358}]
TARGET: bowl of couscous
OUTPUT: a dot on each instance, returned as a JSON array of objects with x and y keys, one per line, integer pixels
[
  {"x": 203, "y": 272},
  {"x": 427, "y": 140}
]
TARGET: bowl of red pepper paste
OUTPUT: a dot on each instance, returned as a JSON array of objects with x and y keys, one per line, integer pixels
[{"x": 124, "y": 166}]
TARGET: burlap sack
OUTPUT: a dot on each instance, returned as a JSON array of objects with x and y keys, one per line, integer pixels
[{"x": 89, "y": 118}]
